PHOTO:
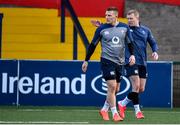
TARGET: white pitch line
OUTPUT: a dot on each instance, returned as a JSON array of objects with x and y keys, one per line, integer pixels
[
  {"x": 38, "y": 110},
  {"x": 46, "y": 110},
  {"x": 166, "y": 112},
  {"x": 84, "y": 110},
  {"x": 40, "y": 122}
]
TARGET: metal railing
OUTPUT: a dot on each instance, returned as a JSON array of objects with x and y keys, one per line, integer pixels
[
  {"x": 1, "y": 17},
  {"x": 77, "y": 28},
  {"x": 176, "y": 84}
]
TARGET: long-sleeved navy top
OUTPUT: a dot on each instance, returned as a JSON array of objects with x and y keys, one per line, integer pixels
[{"x": 141, "y": 35}]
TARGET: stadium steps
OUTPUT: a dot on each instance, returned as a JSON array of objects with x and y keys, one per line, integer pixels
[{"x": 30, "y": 33}]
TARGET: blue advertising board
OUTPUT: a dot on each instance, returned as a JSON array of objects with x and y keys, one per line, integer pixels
[
  {"x": 8, "y": 85},
  {"x": 33, "y": 82}
]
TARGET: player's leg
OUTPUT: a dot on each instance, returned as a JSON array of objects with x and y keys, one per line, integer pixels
[
  {"x": 135, "y": 83},
  {"x": 139, "y": 114},
  {"x": 118, "y": 77},
  {"x": 143, "y": 76},
  {"x": 118, "y": 73},
  {"x": 135, "y": 98},
  {"x": 117, "y": 87},
  {"x": 108, "y": 70},
  {"x": 111, "y": 98},
  {"x": 106, "y": 106},
  {"x": 104, "y": 110},
  {"x": 111, "y": 93},
  {"x": 142, "y": 85},
  {"x": 134, "y": 95},
  {"x": 132, "y": 73}
]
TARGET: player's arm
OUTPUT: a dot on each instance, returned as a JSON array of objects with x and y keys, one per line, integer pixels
[
  {"x": 91, "y": 48},
  {"x": 153, "y": 44},
  {"x": 129, "y": 40},
  {"x": 90, "y": 51},
  {"x": 131, "y": 48},
  {"x": 132, "y": 59}
]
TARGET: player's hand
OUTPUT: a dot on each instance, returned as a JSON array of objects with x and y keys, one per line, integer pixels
[
  {"x": 155, "y": 56},
  {"x": 84, "y": 66},
  {"x": 132, "y": 60},
  {"x": 96, "y": 23}
]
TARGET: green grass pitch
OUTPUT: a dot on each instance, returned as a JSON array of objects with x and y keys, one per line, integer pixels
[{"x": 82, "y": 115}]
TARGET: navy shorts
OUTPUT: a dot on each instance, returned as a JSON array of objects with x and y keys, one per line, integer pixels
[
  {"x": 139, "y": 70},
  {"x": 111, "y": 70}
]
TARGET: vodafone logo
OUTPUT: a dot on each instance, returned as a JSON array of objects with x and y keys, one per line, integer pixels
[
  {"x": 99, "y": 85},
  {"x": 115, "y": 40}
]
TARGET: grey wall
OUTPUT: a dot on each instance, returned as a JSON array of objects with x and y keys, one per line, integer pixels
[{"x": 164, "y": 21}]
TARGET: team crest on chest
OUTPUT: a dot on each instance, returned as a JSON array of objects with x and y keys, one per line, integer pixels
[
  {"x": 106, "y": 33},
  {"x": 122, "y": 31},
  {"x": 143, "y": 32}
]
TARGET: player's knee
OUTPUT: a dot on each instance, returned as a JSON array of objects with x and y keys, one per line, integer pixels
[
  {"x": 136, "y": 88},
  {"x": 112, "y": 88},
  {"x": 141, "y": 90}
]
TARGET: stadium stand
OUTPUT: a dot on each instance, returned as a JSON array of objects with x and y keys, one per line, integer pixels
[
  {"x": 169, "y": 2},
  {"x": 79, "y": 6},
  {"x": 34, "y": 33}
]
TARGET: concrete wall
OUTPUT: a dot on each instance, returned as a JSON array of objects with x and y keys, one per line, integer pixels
[{"x": 164, "y": 21}]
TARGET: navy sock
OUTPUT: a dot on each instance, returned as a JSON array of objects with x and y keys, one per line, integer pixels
[{"x": 134, "y": 96}]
